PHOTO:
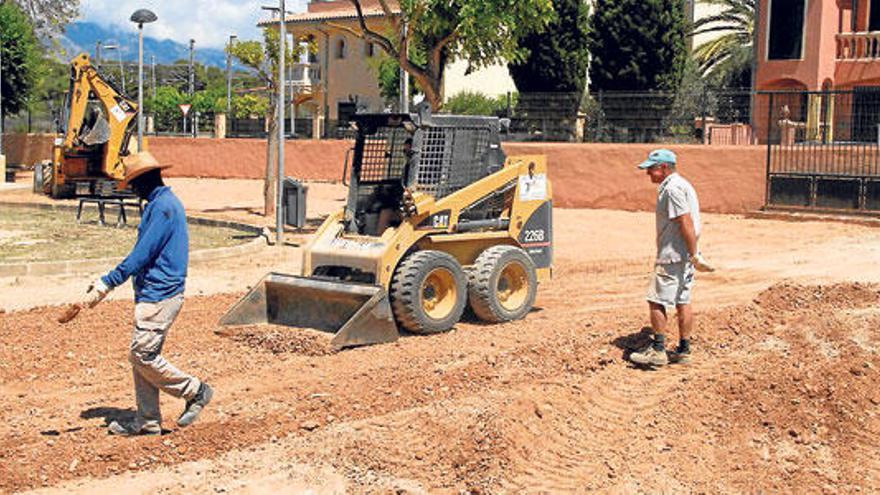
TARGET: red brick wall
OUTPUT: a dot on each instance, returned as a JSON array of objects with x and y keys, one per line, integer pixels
[{"x": 729, "y": 179}]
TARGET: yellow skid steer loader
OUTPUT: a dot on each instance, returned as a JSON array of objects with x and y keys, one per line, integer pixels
[{"x": 436, "y": 218}]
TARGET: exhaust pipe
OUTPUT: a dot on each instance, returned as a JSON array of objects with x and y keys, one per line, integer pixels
[{"x": 357, "y": 314}]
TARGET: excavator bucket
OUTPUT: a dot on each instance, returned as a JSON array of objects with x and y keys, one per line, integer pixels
[{"x": 357, "y": 314}]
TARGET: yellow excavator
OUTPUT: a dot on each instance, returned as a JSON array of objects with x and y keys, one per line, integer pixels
[
  {"x": 87, "y": 155},
  {"x": 437, "y": 218}
]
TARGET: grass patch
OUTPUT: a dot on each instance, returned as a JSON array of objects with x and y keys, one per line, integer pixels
[{"x": 37, "y": 234}]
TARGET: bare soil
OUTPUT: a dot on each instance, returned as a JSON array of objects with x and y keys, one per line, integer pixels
[{"x": 780, "y": 396}]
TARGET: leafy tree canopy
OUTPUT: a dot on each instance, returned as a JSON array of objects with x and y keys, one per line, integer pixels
[
  {"x": 558, "y": 57},
  {"x": 637, "y": 45},
  {"x": 483, "y": 32},
  {"x": 21, "y": 59}
]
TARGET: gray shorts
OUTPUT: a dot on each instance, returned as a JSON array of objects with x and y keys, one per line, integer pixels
[{"x": 671, "y": 283}]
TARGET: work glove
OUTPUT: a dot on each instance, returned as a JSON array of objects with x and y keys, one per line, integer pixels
[
  {"x": 701, "y": 264},
  {"x": 96, "y": 293}
]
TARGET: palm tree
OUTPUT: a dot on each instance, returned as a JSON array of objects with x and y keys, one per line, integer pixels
[{"x": 728, "y": 57}]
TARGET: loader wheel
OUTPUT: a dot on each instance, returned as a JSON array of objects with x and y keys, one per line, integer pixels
[
  {"x": 502, "y": 284},
  {"x": 428, "y": 292}
]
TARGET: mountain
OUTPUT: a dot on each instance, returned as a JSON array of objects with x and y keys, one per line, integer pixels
[{"x": 81, "y": 37}]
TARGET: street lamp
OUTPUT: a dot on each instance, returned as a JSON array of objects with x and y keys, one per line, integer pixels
[
  {"x": 232, "y": 38},
  {"x": 119, "y": 59},
  {"x": 141, "y": 17}
]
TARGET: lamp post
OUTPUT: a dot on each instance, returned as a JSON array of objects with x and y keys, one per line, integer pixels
[
  {"x": 232, "y": 38},
  {"x": 141, "y": 17},
  {"x": 119, "y": 59}
]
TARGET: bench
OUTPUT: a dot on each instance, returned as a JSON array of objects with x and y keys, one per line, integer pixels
[{"x": 102, "y": 203}]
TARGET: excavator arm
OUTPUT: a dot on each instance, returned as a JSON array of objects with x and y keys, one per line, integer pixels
[{"x": 118, "y": 112}]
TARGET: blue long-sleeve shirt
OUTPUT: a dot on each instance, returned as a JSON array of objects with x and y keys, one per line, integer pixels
[{"x": 159, "y": 259}]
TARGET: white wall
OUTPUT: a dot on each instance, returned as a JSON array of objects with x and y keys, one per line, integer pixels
[{"x": 492, "y": 81}]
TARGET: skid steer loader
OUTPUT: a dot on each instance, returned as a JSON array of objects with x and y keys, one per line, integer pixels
[{"x": 436, "y": 218}]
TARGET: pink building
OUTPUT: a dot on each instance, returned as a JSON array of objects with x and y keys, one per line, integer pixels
[{"x": 818, "y": 44}]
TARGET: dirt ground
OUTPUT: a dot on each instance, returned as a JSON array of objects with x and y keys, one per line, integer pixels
[{"x": 781, "y": 395}]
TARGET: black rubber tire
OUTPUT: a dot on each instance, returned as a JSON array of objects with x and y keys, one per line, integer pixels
[
  {"x": 483, "y": 279},
  {"x": 407, "y": 296}
]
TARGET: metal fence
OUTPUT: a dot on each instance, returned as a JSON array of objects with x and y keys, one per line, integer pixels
[
  {"x": 696, "y": 116},
  {"x": 823, "y": 148}
]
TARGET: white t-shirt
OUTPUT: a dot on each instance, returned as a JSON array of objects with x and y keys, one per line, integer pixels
[{"x": 675, "y": 197}]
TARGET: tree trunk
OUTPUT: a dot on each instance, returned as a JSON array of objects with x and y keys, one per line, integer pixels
[{"x": 271, "y": 167}]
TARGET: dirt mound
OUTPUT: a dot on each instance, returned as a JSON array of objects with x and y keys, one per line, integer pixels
[
  {"x": 281, "y": 340},
  {"x": 788, "y": 296}
]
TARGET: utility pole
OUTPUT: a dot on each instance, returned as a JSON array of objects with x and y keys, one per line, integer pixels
[
  {"x": 192, "y": 82},
  {"x": 279, "y": 210},
  {"x": 98, "y": 53},
  {"x": 404, "y": 84},
  {"x": 229, "y": 77},
  {"x": 1, "y": 100},
  {"x": 153, "y": 75}
]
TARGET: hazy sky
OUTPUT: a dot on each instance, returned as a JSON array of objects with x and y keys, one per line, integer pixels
[{"x": 209, "y": 22}]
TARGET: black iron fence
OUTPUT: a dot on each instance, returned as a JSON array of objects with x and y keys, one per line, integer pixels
[{"x": 823, "y": 148}]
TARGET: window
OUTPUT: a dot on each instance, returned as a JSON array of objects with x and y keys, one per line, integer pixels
[
  {"x": 874, "y": 16},
  {"x": 340, "y": 48},
  {"x": 369, "y": 49},
  {"x": 786, "y": 37}
]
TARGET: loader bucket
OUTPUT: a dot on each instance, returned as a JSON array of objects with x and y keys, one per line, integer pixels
[{"x": 358, "y": 314}]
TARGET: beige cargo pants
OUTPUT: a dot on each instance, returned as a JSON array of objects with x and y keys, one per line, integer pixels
[{"x": 151, "y": 371}]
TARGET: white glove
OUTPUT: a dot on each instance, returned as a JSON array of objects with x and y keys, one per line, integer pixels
[
  {"x": 96, "y": 292},
  {"x": 701, "y": 264}
]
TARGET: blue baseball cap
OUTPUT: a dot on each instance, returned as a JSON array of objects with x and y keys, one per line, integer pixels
[{"x": 658, "y": 157}]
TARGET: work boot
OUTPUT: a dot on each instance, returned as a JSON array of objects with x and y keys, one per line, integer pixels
[
  {"x": 649, "y": 356},
  {"x": 680, "y": 356},
  {"x": 195, "y": 405},
  {"x": 131, "y": 429}
]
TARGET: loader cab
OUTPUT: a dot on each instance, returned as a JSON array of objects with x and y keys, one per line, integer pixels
[
  {"x": 384, "y": 157},
  {"x": 435, "y": 155}
]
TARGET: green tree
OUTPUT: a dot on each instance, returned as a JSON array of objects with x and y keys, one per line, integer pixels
[
  {"x": 637, "y": 45},
  {"x": 727, "y": 59},
  {"x": 48, "y": 17},
  {"x": 21, "y": 59},
  {"x": 164, "y": 106},
  {"x": 483, "y": 32},
  {"x": 263, "y": 60},
  {"x": 249, "y": 106},
  {"x": 558, "y": 57},
  {"x": 475, "y": 103}
]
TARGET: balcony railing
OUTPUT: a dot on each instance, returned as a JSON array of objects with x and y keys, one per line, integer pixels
[
  {"x": 304, "y": 77},
  {"x": 862, "y": 46}
]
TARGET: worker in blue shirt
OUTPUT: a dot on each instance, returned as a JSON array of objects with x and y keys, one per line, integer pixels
[{"x": 158, "y": 263}]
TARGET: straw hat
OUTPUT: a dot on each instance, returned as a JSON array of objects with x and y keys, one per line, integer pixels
[{"x": 137, "y": 165}]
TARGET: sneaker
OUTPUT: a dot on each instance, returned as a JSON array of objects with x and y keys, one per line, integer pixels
[
  {"x": 131, "y": 429},
  {"x": 649, "y": 357},
  {"x": 680, "y": 357},
  {"x": 195, "y": 405}
]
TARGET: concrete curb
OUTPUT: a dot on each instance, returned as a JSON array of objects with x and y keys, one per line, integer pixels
[{"x": 88, "y": 265}]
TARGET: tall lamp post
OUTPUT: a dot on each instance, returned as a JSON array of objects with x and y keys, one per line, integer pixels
[
  {"x": 141, "y": 17},
  {"x": 232, "y": 38}
]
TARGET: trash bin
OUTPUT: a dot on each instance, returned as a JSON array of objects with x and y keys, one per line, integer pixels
[{"x": 294, "y": 202}]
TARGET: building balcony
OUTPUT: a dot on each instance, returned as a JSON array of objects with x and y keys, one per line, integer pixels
[
  {"x": 858, "y": 47},
  {"x": 304, "y": 78}
]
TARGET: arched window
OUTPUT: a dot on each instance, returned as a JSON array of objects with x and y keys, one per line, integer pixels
[{"x": 340, "y": 48}]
